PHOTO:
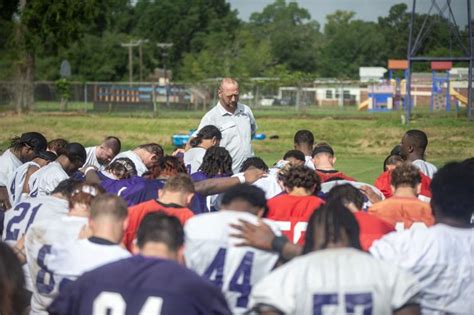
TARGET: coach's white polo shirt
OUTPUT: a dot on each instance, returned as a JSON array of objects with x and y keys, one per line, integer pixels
[{"x": 237, "y": 130}]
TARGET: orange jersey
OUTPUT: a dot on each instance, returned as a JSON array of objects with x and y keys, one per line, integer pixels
[
  {"x": 327, "y": 175},
  {"x": 403, "y": 212},
  {"x": 138, "y": 212},
  {"x": 292, "y": 214},
  {"x": 384, "y": 181},
  {"x": 371, "y": 228}
]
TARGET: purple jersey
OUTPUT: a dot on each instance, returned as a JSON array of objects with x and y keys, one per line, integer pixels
[
  {"x": 134, "y": 190},
  {"x": 199, "y": 203},
  {"x": 140, "y": 285}
]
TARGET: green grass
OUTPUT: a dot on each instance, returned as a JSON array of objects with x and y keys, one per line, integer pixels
[{"x": 361, "y": 140}]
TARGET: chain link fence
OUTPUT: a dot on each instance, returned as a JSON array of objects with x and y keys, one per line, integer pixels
[{"x": 153, "y": 97}]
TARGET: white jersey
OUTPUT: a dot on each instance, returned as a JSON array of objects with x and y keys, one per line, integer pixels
[
  {"x": 212, "y": 253},
  {"x": 309, "y": 162},
  {"x": 8, "y": 164},
  {"x": 46, "y": 179},
  {"x": 327, "y": 186},
  {"x": 18, "y": 219},
  {"x": 269, "y": 185},
  {"x": 38, "y": 243},
  {"x": 425, "y": 167},
  {"x": 91, "y": 158},
  {"x": 336, "y": 281},
  {"x": 71, "y": 259},
  {"x": 16, "y": 181},
  {"x": 193, "y": 159},
  {"x": 442, "y": 258},
  {"x": 23, "y": 214},
  {"x": 139, "y": 165}
]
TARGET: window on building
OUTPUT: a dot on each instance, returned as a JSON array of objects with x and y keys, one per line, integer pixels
[{"x": 329, "y": 94}]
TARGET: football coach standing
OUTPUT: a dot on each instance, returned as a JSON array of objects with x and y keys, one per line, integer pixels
[{"x": 234, "y": 120}]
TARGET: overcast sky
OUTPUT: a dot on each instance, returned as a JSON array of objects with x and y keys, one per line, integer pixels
[{"x": 367, "y": 10}]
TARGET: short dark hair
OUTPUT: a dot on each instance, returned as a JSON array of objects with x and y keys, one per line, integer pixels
[
  {"x": 294, "y": 154},
  {"x": 255, "y": 162},
  {"x": 304, "y": 136},
  {"x": 109, "y": 205},
  {"x": 391, "y": 160},
  {"x": 245, "y": 192},
  {"x": 35, "y": 140},
  {"x": 216, "y": 160},
  {"x": 323, "y": 147},
  {"x": 333, "y": 219},
  {"x": 452, "y": 188},
  {"x": 154, "y": 148},
  {"x": 160, "y": 228},
  {"x": 206, "y": 132},
  {"x": 122, "y": 168},
  {"x": 113, "y": 143},
  {"x": 75, "y": 152},
  {"x": 57, "y": 145},
  {"x": 346, "y": 193},
  {"x": 47, "y": 156},
  {"x": 66, "y": 187},
  {"x": 300, "y": 176},
  {"x": 397, "y": 150},
  {"x": 406, "y": 174},
  {"x": 418, "y": 138}
]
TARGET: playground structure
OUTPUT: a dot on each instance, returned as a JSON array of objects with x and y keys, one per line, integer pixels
[
  {"x": 417, "y": 37},
  {"x": 391, "y": 94}
]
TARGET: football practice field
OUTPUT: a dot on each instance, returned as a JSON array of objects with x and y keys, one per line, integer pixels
[{"x": 361, "y": 140}]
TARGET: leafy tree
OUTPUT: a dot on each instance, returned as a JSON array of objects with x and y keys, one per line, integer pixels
[
  {"x": 350, "y": 44},
  {"x": 293, "y": 36},
  {"x": 36, "y": 24}
]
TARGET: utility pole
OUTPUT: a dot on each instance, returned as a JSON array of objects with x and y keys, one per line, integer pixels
[
  {"x": 140, "y": 55},
  {"x": 130, "y": 46},
  {"x": 164, "y": 53}
]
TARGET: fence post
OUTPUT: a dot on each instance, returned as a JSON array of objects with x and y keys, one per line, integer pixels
[{"x": 85, "y": 97}]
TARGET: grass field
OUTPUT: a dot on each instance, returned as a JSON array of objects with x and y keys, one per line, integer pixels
[{"x": 361, "y": 140}]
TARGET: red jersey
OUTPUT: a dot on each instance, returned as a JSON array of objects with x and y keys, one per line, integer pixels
[
  {"x": 403, "y": 212},
  {"x": 371, "y": 228},
  {"x": 292, "y": 214},
  {"x": 327, "y": 175},
  {"x": 138, "y": 212},
  {"x": 384, "y": 181}
]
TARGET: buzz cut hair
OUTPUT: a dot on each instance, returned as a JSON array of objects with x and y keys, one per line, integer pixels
[
  {"x": 157, "y": 227},
  {"x": 113, "y": 143},
  {"x": 110, "y": 206},
  {"x": 304, "y": 137},
  {"x": 179, "y": 183},
  {"x": 418, "y": 138}
]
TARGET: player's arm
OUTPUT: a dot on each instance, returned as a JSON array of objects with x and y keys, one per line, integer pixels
[
  {"x": 370, "y": 194},
  {"x": 262, "y": 237},
  {"x": 219, "y": 185},
  {"x": 91, "y": 176},
  {"x": 26, "y": 186},
  {"x": 409, "y": 309},
  {"x": 19, "y": 250},
  {"x": 4, "y": 200}
]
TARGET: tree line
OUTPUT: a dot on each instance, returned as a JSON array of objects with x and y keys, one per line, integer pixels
[{"x": 209, "y": 40}]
